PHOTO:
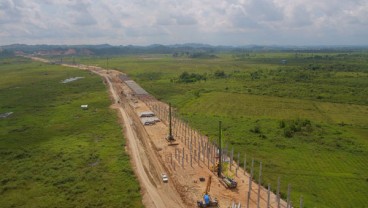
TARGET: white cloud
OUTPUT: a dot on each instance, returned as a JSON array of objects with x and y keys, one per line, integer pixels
[{"x": 231, "y": 22}]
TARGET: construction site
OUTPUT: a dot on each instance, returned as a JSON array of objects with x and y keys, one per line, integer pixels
[
  {"x": 176, "y": 165},
  {"x": 193, "y": 164}
]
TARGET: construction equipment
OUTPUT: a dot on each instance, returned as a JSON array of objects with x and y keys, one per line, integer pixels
[
  {"x": 208, "y": 186},
  {"x": 207, "y": 200},
  {"x": 214, "y": 168},
  {"x": 170, "y": 138},
  {"x": 226, "y": 181},
  {"x": 229, "y": 183}
]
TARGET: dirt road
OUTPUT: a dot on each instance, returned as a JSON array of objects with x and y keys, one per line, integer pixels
[{"x": 160, "y": 198}]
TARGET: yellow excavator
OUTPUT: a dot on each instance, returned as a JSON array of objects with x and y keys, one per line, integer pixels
[{"x": 207, "y": 200}]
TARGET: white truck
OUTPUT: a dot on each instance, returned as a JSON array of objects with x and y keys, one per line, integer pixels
[{"x": 164, "y": 177}]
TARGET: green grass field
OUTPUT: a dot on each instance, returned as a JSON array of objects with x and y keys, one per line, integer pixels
[
  {"x": 307, "y": 120},
  {"x": 53, "y": 153}
]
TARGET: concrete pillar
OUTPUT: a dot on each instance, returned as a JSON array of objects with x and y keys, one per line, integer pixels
[
  {"x": 191, "y": 136},
  {"x": 249, "y": 190},
  {"x": 238, "y": 163},
  {"x": 226, "y": 148},
  {"x": 224, "y": 155},
  {"x": 252, "y": 168},
  {"x": 199, "y": 155},
  {"x": 231, "y": 157},
  {"x": 159, "y": 112},
  {"x": 268, "y": 195},
  {"x": 259, "y": 184},
  {"x": 208, "y": 158},
  {"x": 288, "y": 196},
  {"x": 245, "y": 164},
  {"x": 171, "y": 160},
  {"x": 185, "y": 133},
  {"x": 191, "y": 142},
  {"x": 301, "y": 202},
  {"x": 278, "y": 192},
  {"x": 203, "y": 151},
  {"x": 191, "y": 165}
]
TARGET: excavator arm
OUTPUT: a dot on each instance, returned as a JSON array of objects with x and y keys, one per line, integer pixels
[{"x": 208, "y": 187}]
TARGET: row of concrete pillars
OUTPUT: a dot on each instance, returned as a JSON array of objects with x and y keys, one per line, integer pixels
[{"x": 202, "y": 150}]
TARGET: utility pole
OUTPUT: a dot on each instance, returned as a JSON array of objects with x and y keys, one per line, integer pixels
[{"x": 220, "y": 152}]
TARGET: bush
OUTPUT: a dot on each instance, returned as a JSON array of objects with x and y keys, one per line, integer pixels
[
  {"x": 295, "y": 126},
  {"x": 288, "y": 132},
  {"x": 219, "y": 74},
  {"x": 282, "y": 124},
  {"x": 256, "y": 129},
  {"x": 187, "y": 78}
]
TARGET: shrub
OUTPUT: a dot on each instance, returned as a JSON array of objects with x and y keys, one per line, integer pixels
[
  {"x": 193, "y": 77},
  {"x": 256, "y": 129},
  {"x": 295, "y": 126},
  {"x": 282, "y": 124},
  {"x": 288, "y": 132},
  {"x": 219, "y": 74}
]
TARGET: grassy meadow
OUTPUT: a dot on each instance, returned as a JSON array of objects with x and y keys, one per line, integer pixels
[
  {"x": 305, "y": 118},
  {"x": 53, "y": 153}
]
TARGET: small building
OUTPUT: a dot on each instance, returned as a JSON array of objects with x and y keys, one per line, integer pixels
[
  {"x": 149, "y": 120},
  {"x": 146, "y": 114},
  {"x": 84, "y": 107}
]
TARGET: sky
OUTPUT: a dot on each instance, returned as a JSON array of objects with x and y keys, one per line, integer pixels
[{"x": 215, "y": 22}]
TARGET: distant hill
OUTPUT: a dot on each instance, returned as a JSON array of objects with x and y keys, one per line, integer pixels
[{"x": 192, "y": 50}]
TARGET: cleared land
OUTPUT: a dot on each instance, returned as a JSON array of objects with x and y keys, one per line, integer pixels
[
  {"x": 305, "y": 120},
  {"x": 156, "y": 157},
  {"x": 53, "y": 153}
]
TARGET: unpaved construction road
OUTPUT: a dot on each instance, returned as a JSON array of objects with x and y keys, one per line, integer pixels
[
  {"x": 151, "y": 155},
  {"x": 158, "y": 197}
]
